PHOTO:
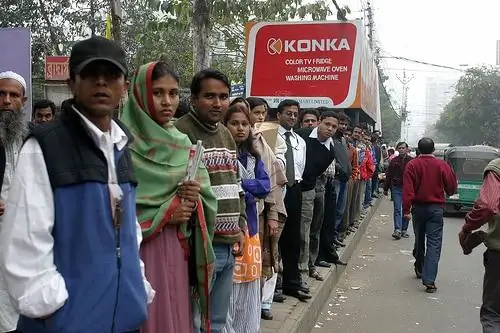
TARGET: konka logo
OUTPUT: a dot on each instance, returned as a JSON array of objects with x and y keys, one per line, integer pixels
[{"x": 274, "y": 46}]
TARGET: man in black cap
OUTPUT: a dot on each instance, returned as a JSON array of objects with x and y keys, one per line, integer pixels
[{"x": 70, "y": 236}]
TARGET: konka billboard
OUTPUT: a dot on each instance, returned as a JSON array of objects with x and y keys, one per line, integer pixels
[{"x": 316, "y": 63}]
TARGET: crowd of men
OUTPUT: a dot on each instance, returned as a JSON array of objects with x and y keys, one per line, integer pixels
[{"x": 70, "y": 238}]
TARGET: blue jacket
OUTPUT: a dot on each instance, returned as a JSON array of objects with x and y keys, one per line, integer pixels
[{"x": 99, "y": 262}]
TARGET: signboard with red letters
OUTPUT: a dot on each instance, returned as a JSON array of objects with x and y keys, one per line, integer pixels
[
  {"x": 316, "y": 63},
  {"x": 56, "y": 68}
]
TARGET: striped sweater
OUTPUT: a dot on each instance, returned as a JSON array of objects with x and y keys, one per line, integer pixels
[{"x": 220, "y": 159}]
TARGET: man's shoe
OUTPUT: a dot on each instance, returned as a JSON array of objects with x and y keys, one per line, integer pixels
[
  {"x": 322, "y": 263},
  {"x": 430, "y": 288},
  {"x": 279, "y": 297},
  {"x": 338, "y": 243},
  {"x": 404, "y": 234},
  {"x": 299, "y": 294},
  {"x": 339, "y": 262},
  {"x": 266, "y": 314},
  {"x": 304, "y": 287},
  {"x": 396, "y": 235}
]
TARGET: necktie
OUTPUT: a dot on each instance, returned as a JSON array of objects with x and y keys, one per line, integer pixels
[{"x": 290, "y": 164}]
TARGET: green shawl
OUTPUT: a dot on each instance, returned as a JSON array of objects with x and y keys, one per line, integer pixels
[{"x": 160, "y": 158}]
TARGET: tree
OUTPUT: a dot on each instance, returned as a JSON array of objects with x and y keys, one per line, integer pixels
[
  {"x": 391, "y": 121},
  {"x": 227, "y": 20},
  {"x": 473, "y": 115}
]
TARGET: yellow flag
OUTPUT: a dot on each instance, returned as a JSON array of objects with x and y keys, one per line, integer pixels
[{"x": 108, "y": 33}]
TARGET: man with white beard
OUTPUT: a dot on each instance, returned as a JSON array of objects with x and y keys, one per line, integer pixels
[{"x": 13, "y": 130}]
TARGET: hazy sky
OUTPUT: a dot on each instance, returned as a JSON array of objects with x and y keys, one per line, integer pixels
[{"x": 445, "y": 32}]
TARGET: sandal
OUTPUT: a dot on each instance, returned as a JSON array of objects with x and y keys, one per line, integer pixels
[
  {"x": 315, "y": 275},
  {"x": 430, "y": 288}
]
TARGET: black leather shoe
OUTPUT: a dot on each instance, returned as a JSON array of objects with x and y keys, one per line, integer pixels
[
  {"x": 304, "y": 287},
  {"x": 322, "y": 263},
  {"x": 266, "y": 314},
  {"x": 299, "y": 294},
  {"x": 339, "y": 262},
  {"x": 279, "y": 297},
  {"x": 338, "y": 243}
]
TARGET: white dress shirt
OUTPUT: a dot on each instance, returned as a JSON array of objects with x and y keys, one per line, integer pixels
[
  {"x": 8, "y": 314},
  {"x": 298, "y": 149},
  {"x": 36, "y": 287}
]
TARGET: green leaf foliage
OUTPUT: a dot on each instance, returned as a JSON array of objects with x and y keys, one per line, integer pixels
[{"x": 473, "y": 115}]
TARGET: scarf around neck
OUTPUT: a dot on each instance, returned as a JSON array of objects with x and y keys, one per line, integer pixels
[{"x": 160, "y": 158}]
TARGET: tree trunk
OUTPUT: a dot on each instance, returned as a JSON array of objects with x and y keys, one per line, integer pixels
[
  {"x": 116, "y": 20},
  {"x": 201, "y": 34},
  {"x": 52, "y": 34}
]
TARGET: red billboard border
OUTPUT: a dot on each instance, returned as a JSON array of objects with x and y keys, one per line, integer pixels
[{"x": 355, "y": 74}]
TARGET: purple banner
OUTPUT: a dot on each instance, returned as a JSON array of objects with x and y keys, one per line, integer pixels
[{"x": 15, "y": 56}]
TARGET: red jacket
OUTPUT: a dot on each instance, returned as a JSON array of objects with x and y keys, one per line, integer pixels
[
  {"x": 426, "y": 179},
  {"x": 367, "y": 167}
]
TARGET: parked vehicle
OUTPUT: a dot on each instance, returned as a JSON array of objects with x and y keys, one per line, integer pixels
[{"x": 468, "y": 163}]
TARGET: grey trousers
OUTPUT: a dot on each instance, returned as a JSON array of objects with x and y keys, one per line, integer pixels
[
  {"x": 305, "y": 229},
  {"x": 313, "y": 203},
  {"x": 317, "y": 221}
]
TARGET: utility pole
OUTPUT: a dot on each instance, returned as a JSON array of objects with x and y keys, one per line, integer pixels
[
  {"x": 341, "y": 12},
  {"x": 371, "y": 32},
  {"x": 116, "y": 18},
  {"x": 405, "y": 80},
  {"x": 92, "y": 17}
]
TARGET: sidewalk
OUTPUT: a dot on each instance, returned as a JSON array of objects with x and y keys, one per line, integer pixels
[{"x": 294, "y": 316}]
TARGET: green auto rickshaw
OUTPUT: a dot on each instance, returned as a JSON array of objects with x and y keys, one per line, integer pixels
[
  {"x": 440, "y": 149},
  {"x": 468, "y": 163}
]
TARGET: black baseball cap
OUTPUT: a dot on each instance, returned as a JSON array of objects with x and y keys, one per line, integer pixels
[{"x": 97, "y": 48}]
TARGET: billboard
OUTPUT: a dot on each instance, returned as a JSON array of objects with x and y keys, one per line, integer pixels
[
  {"x": 16, "y": 57},
  {"x": 56, "y": 68},
  {"x": 317, "y": 63}
]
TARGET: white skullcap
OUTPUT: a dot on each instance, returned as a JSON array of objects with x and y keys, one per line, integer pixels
[{"x": 14, "y": 76}]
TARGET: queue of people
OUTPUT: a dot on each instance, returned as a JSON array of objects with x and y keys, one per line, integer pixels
[{"x": 102, "y": 232}]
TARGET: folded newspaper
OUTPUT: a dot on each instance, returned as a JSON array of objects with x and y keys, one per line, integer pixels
[{"x": 195, "y": 155}]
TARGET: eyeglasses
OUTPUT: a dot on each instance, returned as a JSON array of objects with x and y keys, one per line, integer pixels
[{"x": 309, "y": 121}]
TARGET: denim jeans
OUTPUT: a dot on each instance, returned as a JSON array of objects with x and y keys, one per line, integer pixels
[
  {"x": 368, "y": 194},
  {"x": 400, "y": 224},
  {"x": 361, "y": 199},
  {"x": 428, "y": 225},
  {"x": 341, "y": 194},
  {"x": 221, "y": 288},
  {"x": 375, "y": 184}
]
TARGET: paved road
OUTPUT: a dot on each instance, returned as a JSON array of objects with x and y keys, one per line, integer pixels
[{"x": 380, "y": 294}]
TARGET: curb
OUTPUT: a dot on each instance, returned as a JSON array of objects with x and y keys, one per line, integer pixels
[{"x": 303, "y": 319}]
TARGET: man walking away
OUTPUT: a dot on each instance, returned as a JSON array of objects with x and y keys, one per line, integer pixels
[
  {"x": 13, "y": 130},
  {"x": 210, "y": 101},
  {"x": 487, "y": 210},
  {"x": 394, "y": 182},
  {"x": 426, "y": 180},
  {"x": 71, "y": 239}
]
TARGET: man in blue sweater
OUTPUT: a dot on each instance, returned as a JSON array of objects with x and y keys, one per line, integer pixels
[{"x": 70, "y": 240}]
